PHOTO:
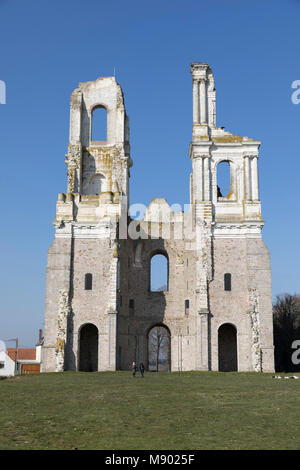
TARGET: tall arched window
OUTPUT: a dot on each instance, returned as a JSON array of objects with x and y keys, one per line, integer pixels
[
  {"x": 99, "y": 123},
  {"x": 223, "y": 179},
  {"x": 159, "y": 273},
  {"x": 88, "y": 281}
]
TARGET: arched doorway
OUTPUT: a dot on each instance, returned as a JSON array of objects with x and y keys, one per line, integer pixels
[
  {"x": 159, "y": 348},
  {"x": 88, "y": 348},
  {"x": 227, "y": 343}
]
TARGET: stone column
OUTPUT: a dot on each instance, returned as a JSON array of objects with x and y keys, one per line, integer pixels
[
  {"x": 206, "y": 179},
  {"x": 198, "y": 178},
  {"x": 254, "y": 174},
  {"x": 113, "y": 308},
  {"x": 112, "y": 339},
  {"x": 62, "y": 319},
  {"x": 203, "y": 107},
  {"x": 203, "y": 316},
  {"x": 75, "y": 116},
  {"x": 73, "y": 161},
  {"x": 255, "y": 329},
  {"x": 248, "y": 178},
  {"x": 195, "y": 101}
]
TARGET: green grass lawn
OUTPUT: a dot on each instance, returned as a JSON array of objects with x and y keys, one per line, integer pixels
[{"x": 113, "y": 410}]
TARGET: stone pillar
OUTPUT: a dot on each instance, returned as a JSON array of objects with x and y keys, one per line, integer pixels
[
  {"x": 177, "y": 352},
  {"x": 247, "y": 178},
  {"x": 198, "y": 178},
  {"x": 203, "y": 318},
  {"x": 254, "y": 174},
  {"x": 113, "y": 312},
  {"x": 255, "y": 329},
  {"x": 203, "y": 92},
  {"x": 75, "y": 116},
  {"x": 73, "y": 161},
  {"x": 195, "y": 101},
  {"x": 112, "y": 340},
  {"x": 206, "y": 179},
  {"x": 62, "y": 318},
  {"x": 212, "y": 116},
  {"x": 203, "y": 107}
]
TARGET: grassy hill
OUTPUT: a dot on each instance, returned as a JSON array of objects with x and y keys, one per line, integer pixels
[{"x": 113, "y": 410}]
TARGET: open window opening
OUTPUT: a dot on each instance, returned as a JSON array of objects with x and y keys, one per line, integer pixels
[
  {"x": 159, "y": 273},
  {"x": 223, "y": 180},
  {"x": 99, "y": 124}
]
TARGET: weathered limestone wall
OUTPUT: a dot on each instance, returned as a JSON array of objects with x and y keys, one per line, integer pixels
[
  {"x": 230, "y": 256},
  {"x": 259, "y": 281},
  {"x": 248, "y": 262},
  {"x": 57, "y": 281},
  {"x": 69, "y": 260},
  {"x": 91, "y": 306},
  {"x": 152, "y": 308}
]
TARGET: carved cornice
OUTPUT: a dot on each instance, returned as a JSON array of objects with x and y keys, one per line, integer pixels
[
  {"x": 251, "y": 156},
  {"x": 106, "y": 151},
  {"x": 199, "y": 70},
  {"x": 238, "y": 230},
  {"x": 202, "y": 155}
]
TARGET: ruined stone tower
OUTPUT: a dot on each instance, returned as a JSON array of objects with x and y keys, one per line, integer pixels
[{"x": 215, "y": 311}]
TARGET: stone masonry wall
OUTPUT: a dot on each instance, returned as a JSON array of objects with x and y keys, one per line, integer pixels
[
  {"x": 151, "y": 308},
  {"x": 248, "y": 262},
  {"x": 91, "y": 306}
]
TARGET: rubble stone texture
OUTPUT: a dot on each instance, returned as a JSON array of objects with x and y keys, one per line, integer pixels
[{"x": 220, "y": 234}]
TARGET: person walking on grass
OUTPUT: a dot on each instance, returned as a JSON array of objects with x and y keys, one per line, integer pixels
[
  {"x": 133, "y": 368},
  {"x": 142, "y": 369}
]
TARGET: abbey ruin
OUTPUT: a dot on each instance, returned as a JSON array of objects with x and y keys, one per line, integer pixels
[{"x": 216, "y": 308}]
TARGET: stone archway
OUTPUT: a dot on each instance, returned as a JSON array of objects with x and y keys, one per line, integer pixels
[
  {"x": 227, "y": 345},
  {"x": 88, "y": 348},
  {"x": 159, "y": 348}
]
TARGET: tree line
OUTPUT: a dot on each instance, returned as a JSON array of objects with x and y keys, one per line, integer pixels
[{"x": 286, "y": 322}]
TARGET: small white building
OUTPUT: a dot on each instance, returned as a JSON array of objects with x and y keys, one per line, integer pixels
[{"x": 7, "y": 365}]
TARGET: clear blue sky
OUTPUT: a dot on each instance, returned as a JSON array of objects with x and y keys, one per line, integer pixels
[{"x": 48, "y": 46}]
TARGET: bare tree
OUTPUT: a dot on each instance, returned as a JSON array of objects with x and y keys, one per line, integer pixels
[
  {"x": 159, "y": 346},
  {"x": 286, "y": 320}
]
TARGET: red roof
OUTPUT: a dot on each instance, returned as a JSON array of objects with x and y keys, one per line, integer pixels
[{"x": 23, "y": 354}]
